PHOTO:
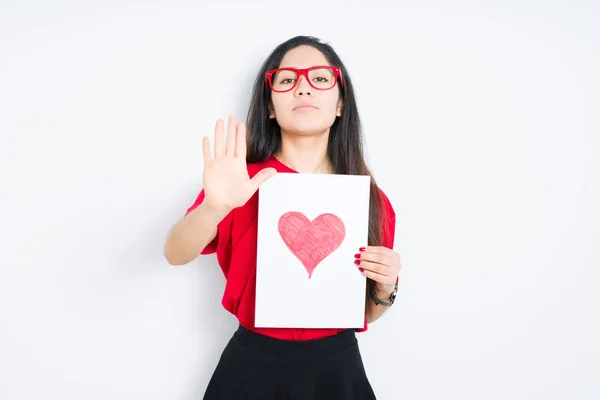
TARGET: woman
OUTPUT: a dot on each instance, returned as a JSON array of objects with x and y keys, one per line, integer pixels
[{"x": 301, "y": 119}]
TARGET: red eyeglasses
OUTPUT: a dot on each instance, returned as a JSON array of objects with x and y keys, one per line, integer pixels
[{"x": 321, "y": 77}]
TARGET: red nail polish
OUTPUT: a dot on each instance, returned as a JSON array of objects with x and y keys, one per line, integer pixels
[
  {"x": 362, "y": 249},
  {"x": 357, "y": 262},
  {"x": 361, "y": 269},
  {"x": 357, "y": 255}
]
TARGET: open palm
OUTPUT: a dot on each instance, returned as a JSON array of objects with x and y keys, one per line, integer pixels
[{"x": 227, "y": 184}]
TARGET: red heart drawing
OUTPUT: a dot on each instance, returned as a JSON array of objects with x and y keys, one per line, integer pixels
[{"x": 312, "y": 241}]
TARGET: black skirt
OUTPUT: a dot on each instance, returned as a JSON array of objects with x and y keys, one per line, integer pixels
[{"x": 255, "y": 366}]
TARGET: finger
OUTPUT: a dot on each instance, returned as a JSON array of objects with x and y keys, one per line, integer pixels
[
  {"x": 240, "y": 142},
  {"x": 219, "y": 139},
  {"x": 377, "y": 258},
  {"x": 375, "y": 267},
  {"x": 383, "y": 251},
  {"x": 383, "y": 279},
  {"x": 261, "y": 177},
  {"x": 231, "y": 137},
  {"x": 379, "y": 250},
  {"x": 206, "y": 149}
]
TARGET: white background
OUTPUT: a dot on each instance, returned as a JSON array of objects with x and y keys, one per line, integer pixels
[
  {"x": 482, "y": 125},
  {"x": 285, "y": 296}
]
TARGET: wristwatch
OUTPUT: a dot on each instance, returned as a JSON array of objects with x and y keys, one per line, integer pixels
[{"x": 378, "y": 301}]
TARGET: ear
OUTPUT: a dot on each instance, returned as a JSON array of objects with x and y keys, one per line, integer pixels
[
  {"x": 340, "y": 107},
  {"x": 271, "y": 111}
]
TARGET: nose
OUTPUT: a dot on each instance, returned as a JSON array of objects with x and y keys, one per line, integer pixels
[{"x": 303, "y": 87}]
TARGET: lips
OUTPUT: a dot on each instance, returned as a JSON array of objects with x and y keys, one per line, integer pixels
[{"x": 305, "y": 107}]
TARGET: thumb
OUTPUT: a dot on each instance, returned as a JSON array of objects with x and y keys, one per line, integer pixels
[{"x": 262, "y": 176}]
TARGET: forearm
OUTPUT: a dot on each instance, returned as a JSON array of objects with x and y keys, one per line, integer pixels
[
  {"x": 374, "y": 311},
  {"x": 192, "y": 234}
]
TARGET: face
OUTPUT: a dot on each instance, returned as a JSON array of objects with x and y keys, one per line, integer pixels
[{"x": 327, "y": 104}]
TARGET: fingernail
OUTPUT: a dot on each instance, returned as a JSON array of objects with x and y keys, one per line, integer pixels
[
  {"x": 357, "y": 255},
  {"x": 362, "y": 249},
  {"x": 357, "y": 262},
  {"x": 361, "y": 269}
]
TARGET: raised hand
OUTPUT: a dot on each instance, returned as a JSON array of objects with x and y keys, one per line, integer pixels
[{"x": 227, "y": 184}]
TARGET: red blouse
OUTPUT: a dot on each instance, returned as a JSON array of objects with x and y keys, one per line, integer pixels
[{"x": 235, "y": 245}]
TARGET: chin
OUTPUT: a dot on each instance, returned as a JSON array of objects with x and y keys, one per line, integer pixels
[
  {"x": 307, "y": 127},
  {"x": 306, "y": 130}
]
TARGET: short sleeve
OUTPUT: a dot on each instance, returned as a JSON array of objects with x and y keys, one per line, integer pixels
[
  {"x": 212, "y": 246},
  {"x": 388, "y": 222}
]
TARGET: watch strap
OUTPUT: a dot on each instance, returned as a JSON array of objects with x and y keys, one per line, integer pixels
[{"x": 378, "y": 301}]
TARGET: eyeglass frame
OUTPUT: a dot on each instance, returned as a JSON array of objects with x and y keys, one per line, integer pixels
[{"x": 337, "y": 72}]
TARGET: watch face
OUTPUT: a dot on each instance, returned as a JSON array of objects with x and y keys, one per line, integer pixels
[{"x": 393, "y": 297}]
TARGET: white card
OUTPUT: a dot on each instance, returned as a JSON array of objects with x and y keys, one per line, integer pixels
[{"x": 310, "y": 226}]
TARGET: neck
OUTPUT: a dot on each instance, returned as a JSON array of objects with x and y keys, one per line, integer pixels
[{"x": 306, "y": 154}]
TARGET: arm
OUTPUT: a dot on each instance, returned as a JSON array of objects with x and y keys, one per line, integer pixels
[
  {"x": 382, "y": 266},
  {"x": 192, "y": 234},
  {"x": 374, "y": 311},
  {"x": 226, "y": 179}
]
